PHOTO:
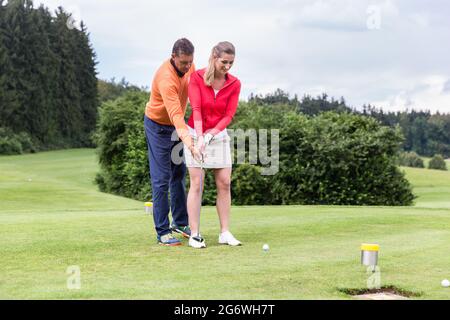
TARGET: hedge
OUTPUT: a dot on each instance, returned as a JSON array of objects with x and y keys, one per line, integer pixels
[{"x": 330, "y": 159}]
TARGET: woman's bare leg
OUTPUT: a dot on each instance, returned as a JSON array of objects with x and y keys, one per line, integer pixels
[
  {"x": 223, "y": 202},
  {"x": 194, "y": 198}
]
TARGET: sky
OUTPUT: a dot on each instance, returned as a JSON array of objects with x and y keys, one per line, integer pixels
[{"x": 393, "y": 54}]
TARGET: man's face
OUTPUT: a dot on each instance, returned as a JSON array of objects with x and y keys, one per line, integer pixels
[{"x": 183, "y": 62}]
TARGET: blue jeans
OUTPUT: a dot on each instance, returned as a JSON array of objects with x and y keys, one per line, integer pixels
[{"x": 165, "y": 176}]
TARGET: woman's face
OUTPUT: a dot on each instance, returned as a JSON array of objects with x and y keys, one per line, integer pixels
[{"x": 224, "y": 63}]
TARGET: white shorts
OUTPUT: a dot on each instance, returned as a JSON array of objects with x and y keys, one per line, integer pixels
[{"x": 218, "y": 152}]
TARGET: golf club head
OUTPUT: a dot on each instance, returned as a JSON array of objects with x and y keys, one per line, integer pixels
[{"x": 199, "y": 239}]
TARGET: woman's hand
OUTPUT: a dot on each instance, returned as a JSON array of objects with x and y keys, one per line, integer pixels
[{"x": 207, "y": 139}]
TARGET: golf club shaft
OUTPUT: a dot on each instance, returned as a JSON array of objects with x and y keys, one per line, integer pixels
[{"x": 201, "y": 196}]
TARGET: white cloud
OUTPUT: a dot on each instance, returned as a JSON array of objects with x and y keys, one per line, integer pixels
[
  {"x": 336, "y": 15},
  {"x": 343, "y": 15},
  {"x": 446, "y": 88},
  {"x": 420, "y": 19},
  {"x": 303, "y": 47},
  {"x": 426, "y": 95}
]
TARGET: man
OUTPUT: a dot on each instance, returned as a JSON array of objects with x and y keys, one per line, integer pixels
[{"x": 164, "y": 114}]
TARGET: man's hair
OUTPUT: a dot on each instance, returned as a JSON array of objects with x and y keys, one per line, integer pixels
[{"x": 183, "y": 46}]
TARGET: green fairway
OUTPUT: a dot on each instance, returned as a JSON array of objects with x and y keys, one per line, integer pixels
[{"x": 52, "y": 216}]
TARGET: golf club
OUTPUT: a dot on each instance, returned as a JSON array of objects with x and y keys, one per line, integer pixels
[{"x": 198, "y": 238}]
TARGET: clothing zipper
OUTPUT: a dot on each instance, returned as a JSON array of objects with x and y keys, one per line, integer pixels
[
  {"x": 214, "y": 94},
  {"x": 225, "y": 86}
]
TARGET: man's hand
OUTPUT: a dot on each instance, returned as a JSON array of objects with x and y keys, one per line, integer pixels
[
  {"x": 201, "y": 144},
  {"x": 198, "y": 156}
]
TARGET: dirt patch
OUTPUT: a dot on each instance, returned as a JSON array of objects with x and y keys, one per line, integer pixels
[
  {"x": 380, "y": 296},
  {"x": 384, "y": 293}
]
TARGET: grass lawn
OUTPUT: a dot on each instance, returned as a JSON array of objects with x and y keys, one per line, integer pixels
[{"x": 53, "y": 217}]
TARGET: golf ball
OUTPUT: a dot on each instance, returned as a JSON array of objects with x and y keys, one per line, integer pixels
[
  {"x": 445, "y": 283},
  {"x": 266, "y": 247}
]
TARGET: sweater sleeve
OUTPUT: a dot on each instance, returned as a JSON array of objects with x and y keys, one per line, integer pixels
[
  {"x": 172, "y": 103},
  {"x": 230, "y": 112},
  {"x": 195, "y": 98}
]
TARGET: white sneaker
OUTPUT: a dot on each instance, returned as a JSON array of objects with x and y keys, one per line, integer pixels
[
  {"x": 194, "y": 243},
  {"x": 229, "y": 239}
]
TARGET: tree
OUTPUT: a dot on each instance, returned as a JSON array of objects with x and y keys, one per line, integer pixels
[
  {"x": 48, "y": 81},
  {"x": 67, "y": 91},
  {"x": 6, "y": 99},
  {"x": 86, "y": 75},
  {"x": 419, "y": 131},
  {"x": 12, "y": 84},
  {"x": 111, "y": 90}
]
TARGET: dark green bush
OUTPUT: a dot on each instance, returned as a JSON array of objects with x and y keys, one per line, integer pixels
[
  {"x": 437, "y": 163},
  {"x": 122, "y": 147},
  {"x": 410, "y": 159},
  {"x": 249, "y": 186},
  {"x": 331, "y": 159},
  {"x": 10, "y": 146},
  {"x": 345, "y": 159},
  {"x": 15, "y": 143}
]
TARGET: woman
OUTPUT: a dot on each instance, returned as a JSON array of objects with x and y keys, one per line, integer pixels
[{"x": 214, "y": 97}]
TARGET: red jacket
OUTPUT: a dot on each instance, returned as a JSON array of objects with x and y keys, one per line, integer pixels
[{"x": 209, "y": 113}]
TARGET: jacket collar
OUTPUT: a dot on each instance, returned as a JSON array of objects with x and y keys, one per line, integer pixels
[
  {"x": 175, "y": 69},
  {"x": 230, "y": 79}
]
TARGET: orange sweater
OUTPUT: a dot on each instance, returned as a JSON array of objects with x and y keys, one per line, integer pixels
[{"x": 168, "y": 100}]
